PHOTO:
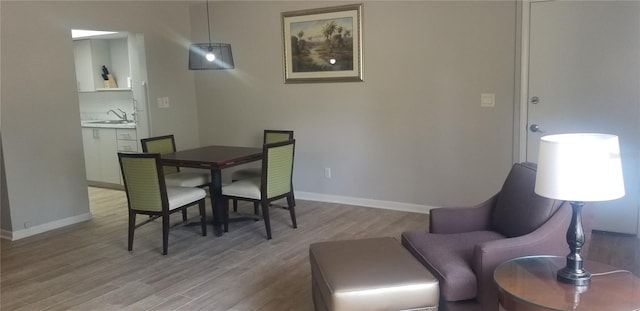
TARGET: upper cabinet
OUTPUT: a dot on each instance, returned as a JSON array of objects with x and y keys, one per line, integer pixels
[{"x": 91, "y": 54}]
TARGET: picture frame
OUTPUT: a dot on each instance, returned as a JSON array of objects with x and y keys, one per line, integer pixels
[{"x": 323, "y": 45}]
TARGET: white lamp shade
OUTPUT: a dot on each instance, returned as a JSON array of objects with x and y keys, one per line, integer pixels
[{"x": 582, "y": 167}]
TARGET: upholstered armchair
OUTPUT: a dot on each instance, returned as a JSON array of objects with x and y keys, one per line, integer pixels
[{"x": 465, "y": 245}]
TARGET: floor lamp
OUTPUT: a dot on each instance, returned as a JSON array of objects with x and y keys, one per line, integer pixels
[{"x": 578, "y": 168}]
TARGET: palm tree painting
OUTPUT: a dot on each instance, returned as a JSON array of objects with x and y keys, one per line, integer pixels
[{"x": 322, "y": 45}]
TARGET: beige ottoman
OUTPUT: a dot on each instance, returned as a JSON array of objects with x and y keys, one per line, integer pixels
[{"x": 369, "y": 274}]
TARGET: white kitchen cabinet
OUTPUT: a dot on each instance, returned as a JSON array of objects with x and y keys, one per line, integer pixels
[
  {"x": 127, "y": 140},
  {"x": 100, "y": 153}
]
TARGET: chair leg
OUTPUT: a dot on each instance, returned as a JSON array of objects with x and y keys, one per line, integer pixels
[
  {"x": 293, "y": 197},
  {"x": 203, "y": 217},
  {"x": 165, "y": 234},
  {"x": 132, "y": 228},
  {"x": 226, "y": 219},
  {"x": 184, "y": 214},
  {"x": 235, "y": 205},
  {"x": 225, "y": 210},
  {"x": 291, "y": 201},
  {"x": 256, "y": 205},
  {"x": 265, "y": 215}
]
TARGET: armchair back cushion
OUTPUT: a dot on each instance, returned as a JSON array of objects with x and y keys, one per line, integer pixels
[{"x": 518, "y": 209}]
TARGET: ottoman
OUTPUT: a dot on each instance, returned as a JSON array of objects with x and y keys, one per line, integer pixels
[{"x": 369, "y": 274}]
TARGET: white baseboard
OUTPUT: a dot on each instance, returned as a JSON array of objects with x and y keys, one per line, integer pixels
[
  {"x": 311, "y": 196},
  {"x": 390, "y": 205},
  {"x": 27, "y": 232}
]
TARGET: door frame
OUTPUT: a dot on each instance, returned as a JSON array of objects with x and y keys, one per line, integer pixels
[{"x": 524, "y": 17}]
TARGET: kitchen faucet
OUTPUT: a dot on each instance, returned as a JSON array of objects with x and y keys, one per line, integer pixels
[{"x": 123, "y": 116}]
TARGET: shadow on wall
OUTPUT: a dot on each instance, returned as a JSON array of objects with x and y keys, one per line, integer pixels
[{"x": 5, "y": 215}]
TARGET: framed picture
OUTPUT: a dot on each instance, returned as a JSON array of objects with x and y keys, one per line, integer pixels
[{"x": 323, "y": 45}]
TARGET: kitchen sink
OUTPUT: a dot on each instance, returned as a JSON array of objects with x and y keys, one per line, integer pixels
[{"x": 111, "y": 122}]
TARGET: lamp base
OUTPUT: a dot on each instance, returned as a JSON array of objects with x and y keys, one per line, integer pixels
[
  {"x": 578, "y": 277},
  {"x": 573, "y": 272}
]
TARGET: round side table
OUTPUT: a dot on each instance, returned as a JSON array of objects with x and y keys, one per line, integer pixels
[{"x": 529, "y": 283}]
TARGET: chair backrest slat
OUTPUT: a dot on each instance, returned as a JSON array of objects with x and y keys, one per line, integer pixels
[
  {"x": 140, "y": 173},
  {"x": 278, "y": 167},
  {"x": 161, "y": 145},
  {"x": 276, "y": 136}
]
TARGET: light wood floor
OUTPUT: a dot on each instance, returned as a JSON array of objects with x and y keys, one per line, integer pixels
[{"x": 87, "y": 267}]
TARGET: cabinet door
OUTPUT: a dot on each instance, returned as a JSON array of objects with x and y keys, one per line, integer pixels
[
  {"x": 91, "y": 153},
  {"x": 109, "y": 166},
  {"x": 84, "y": 67}
]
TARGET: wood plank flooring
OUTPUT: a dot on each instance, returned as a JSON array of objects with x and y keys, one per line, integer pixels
[{"x": 87, "y": 267}]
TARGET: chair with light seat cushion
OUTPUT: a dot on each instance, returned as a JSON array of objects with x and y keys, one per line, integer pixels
[
  {"x": 274, "y": 183},
  {"x": 268, "y": 137},
  {"x": 148, "y": 194},
  {"x": 465, "y": 245},
  {"x": 173, "y": 176}
]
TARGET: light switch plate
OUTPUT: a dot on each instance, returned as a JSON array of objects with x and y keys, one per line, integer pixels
[
  {"x": 163, "y": 102},
  {"x": 487, "y": 100}
]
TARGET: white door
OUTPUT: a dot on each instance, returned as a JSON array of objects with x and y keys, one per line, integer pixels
[{"x": 584, "y": 76}]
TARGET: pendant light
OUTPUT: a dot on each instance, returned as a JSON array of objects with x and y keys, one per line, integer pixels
[{"x": 210, "y": 55}]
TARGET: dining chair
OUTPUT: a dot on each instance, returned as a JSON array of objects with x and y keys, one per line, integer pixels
[
  {"x": 172, "y": 174},
  {"x": 148, "y": 194},
  {"x": 274, "y": 183},
  {"x": 268, "y": 137}
]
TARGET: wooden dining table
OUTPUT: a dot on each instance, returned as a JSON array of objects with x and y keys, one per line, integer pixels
[{"x": 214, "y": 158}]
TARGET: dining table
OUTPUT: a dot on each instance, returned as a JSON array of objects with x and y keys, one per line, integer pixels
[{"x": 214, "y": 158}]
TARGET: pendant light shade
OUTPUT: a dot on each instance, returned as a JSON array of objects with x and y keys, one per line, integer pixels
[
  {"x": 198, "y": 60},
  {"x": 210, "y": 55}
]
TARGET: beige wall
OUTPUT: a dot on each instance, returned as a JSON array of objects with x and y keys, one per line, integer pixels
[
  {"x": 412, "y": 132},
  {"x": 42, "y": 144}
]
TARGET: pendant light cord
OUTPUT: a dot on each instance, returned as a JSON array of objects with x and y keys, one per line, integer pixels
[{"x": 208, "y": 24}]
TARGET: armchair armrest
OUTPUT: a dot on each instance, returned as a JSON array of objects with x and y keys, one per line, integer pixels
[
  {"x": 447, "y": 220},
  {"x": 548, "y": 239}
]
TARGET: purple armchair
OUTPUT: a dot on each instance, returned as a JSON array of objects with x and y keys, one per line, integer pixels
[{"x": 465, "y": 245}]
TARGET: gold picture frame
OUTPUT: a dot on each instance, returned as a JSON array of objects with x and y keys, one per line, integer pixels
[{"x": 323, "y": 45}]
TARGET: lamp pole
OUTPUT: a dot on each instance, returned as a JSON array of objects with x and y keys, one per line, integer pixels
[{"x": 574, "y": 272}]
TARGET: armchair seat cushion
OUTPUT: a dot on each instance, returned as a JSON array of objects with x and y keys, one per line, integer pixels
[{"x": 450, "y": 258}]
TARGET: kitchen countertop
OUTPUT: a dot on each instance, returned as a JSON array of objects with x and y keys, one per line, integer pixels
[{"x": 92, "y": 123}]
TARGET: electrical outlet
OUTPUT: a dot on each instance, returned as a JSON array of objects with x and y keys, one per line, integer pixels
[
  {"x": 327, "y": 172},
  {"x": 487, "y": 100}
]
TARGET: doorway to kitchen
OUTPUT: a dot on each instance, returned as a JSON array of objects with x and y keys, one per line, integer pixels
[{"x": 111, "y": 76}]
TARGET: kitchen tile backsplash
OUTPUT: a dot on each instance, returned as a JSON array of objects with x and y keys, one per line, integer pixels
[{"x": 94, "y": 105}]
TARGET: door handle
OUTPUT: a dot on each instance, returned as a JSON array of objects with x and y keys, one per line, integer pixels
[
  {"x": 535, "y": 100},
  {"x": 535, "y": 128}
]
